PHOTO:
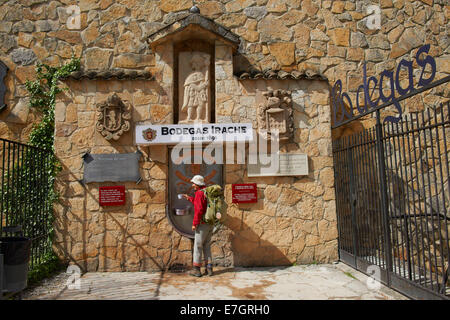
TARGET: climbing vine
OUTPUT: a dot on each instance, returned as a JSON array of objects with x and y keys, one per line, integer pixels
[{"x": 43, "y": 92}]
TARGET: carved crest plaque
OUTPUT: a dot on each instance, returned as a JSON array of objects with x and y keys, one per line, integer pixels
[
  {"x": 276, "y": 114},
  {"x": 112, "y": 118}
]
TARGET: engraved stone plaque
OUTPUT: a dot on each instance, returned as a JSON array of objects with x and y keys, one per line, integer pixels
[
  {"x": 293, "y": 164},
  {"x": 111, "y": 167}
]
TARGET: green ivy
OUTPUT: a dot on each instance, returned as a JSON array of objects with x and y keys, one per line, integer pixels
[
  {"x": 45, "y": 270},
  {"x": 43, "y": 92}
]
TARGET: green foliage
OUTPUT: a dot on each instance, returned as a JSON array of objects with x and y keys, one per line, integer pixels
[
  {"x": 39, "y": 168},
  {"x": 348, "y": 274},
  {"x": 43, "y": 92},
  {"x": 49, "y": 266}
]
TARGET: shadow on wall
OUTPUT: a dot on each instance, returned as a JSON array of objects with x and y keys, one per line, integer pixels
[
  {"x": 249, "y": 250},
  {"x": 242, "y": 64},
  {"x": 116, "y": 239},
  {"x": 111, "y": 239}
]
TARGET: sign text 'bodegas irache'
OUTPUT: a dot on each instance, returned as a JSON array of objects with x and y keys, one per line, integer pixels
[
  {"x": 339, "y": 99},
  {"x": 192, "y": 133}
]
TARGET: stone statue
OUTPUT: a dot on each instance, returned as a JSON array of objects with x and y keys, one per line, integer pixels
[{"x": 196, "y": 90}]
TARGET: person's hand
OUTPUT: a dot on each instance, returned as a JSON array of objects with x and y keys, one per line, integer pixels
[
  {"x": 186, "y": 196},
  {"x": 194, "y": 227}
]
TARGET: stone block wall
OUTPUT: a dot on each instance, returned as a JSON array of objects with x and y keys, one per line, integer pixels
[
  {"x": 294, "y": 219},
  {"x": 328, "y": 37},
  {"x": 102, "y": 238}
]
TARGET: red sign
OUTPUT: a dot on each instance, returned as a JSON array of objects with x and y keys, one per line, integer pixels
[
  {"x": 244, "y": 193},
  {"x": 112, "y": 196}
]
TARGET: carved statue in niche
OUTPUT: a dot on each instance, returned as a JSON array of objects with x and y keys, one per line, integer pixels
[
  {"x": 277, "y": 114},
  {"x": 194, "y": 90},
  {"x": 112, "y": 118}
]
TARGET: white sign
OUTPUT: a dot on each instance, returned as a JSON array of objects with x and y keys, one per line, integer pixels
[
  {"x": 193, "y": 133},
  {"x": 293, "y": 164}
]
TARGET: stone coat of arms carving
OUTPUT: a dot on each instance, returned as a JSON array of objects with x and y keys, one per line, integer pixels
[
  {"x": 112, "y": 118},
  {"x": 277, "y": 114}
]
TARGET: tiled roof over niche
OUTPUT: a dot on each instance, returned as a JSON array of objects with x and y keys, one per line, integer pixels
[
  {"x": 111, "y": 74},
  {"x": 280, "y": 75},
  {"x": 198, "y": 26}
]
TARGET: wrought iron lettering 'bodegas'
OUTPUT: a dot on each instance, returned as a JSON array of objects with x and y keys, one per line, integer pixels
[{"x": 358, "y": 112}]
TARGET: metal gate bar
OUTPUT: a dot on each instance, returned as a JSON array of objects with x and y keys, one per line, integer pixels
[
  {"x": 24, "y": 190},
  {"x": 392, "y": 198}
]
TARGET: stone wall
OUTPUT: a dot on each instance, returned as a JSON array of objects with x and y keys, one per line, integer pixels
[
  {"x": 109, "y": 238},
  {"x": 328, "y": 37},
  {"x": 294, "y": 219}
]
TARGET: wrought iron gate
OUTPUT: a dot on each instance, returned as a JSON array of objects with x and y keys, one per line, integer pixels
[
  {"x": 24, "y": 192},
  {"x": 392, "y": 187}
]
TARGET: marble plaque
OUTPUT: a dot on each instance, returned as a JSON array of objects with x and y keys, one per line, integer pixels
[
  {"x": 294, "y": 164},
  {"x": 111, "y": 167}
]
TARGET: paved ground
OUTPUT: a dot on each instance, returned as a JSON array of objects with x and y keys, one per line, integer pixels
[{"x": 308, "y": 282}]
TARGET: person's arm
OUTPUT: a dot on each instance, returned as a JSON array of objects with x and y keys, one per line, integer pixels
[{"x": 189, "y": 198}]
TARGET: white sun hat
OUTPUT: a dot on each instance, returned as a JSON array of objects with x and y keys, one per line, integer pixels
[{"x": 198, "y": 180}]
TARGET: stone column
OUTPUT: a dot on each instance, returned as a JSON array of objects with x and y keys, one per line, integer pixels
[
  {"x": 164, "y": 74},
  {"x": 226, "y": 85}
]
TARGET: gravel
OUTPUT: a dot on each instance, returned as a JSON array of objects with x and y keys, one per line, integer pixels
[{"x": 47, "y": 289}]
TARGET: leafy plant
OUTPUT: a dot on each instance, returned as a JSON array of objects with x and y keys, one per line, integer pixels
[
  {"x": 40, "y": 167},
  {"x": 43, "y": 92},
  {"x": 44, "y": 270},
  {"x": 348, "y": 274}
]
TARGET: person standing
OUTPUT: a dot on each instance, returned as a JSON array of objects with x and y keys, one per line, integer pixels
[{"x": 203, "y": 231}]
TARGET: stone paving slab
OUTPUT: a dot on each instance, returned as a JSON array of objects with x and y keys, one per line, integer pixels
[{"x": 306, "y": 282}]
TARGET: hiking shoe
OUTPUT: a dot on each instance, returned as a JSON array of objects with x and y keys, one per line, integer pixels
[
  {"x": 208, "y": 271},
  {"x": 196, "y": 272}
]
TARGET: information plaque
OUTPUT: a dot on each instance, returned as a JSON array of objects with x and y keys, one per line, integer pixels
[
  {"x": 111, "y": 167},
  {"x": 289, "y": 164},
  {"x": 244, "y": 193},
  {"x": 112, "y": 196}
]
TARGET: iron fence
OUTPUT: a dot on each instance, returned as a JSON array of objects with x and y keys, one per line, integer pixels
[
  {"x": 393, "y": 198},
  {"x": 25, "y": 173}
]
